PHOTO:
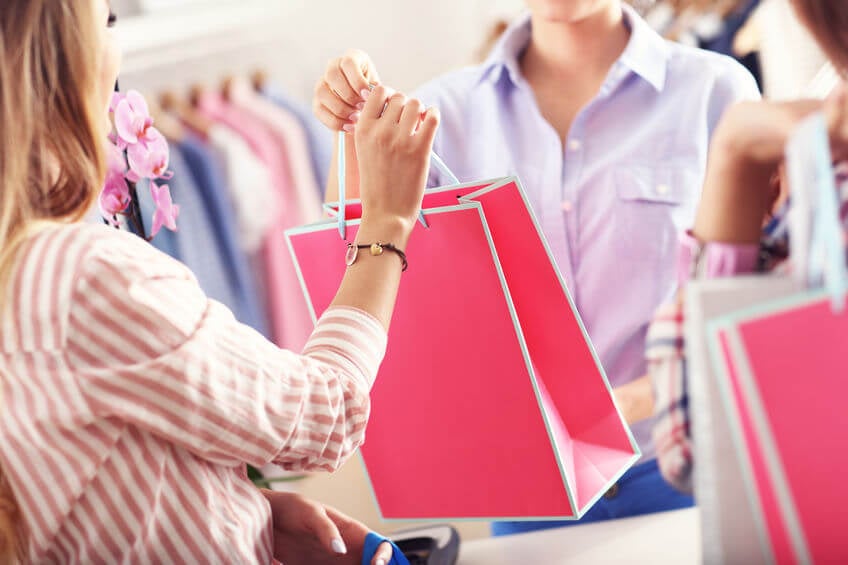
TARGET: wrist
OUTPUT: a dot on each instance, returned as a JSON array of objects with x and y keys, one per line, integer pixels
[{"x": 383, "y": 229}]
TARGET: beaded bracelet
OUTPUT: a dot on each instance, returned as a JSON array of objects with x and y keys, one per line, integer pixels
[{"x": 377, "y": 249}]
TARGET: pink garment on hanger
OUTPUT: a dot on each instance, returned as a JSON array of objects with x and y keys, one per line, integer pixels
[
  {"x": 290, "y": 319},
  {"x": 291, "y": 136}
]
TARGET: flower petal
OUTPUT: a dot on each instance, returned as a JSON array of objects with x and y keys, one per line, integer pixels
[
  {"x": 115, "y": 160},
  {"x": 124, "y": 119},
  {"x": 117, "y": 97},
  {"x": 138, "y": 103},
  {"x": 166, "y": 211}
]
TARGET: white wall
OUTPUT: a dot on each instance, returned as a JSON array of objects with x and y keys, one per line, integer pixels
[{"x": 410, "y": 41}]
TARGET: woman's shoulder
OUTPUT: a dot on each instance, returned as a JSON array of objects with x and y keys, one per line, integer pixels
[
  {"x": 453, "y": 86},
  {"x": 81, "y": 250},
  {"x": 59, "y": 264},
  {"x": 694, "y": 66}
]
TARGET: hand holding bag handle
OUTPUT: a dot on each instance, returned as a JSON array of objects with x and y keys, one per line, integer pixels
[{"x": 435, "y": 160}]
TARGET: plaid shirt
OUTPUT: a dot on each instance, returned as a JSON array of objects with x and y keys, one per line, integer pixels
[{"x": 667, "y": 367}]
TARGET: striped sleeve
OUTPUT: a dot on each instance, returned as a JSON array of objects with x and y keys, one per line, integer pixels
[
  {"x": 153, "y": 351},
  {"x": 667, "y": 370}
]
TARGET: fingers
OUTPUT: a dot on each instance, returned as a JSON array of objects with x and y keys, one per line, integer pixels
[
  {"x": 340, "y": 84},
  {"x": 394, "y": 108},
  {"x": 411, "y": 116},
  {"x": 356, "y": 67},
  {"x": 836, "y": 110},
  {"x": 329, "y": 119},
  {"x": 375, "y": 103},
  {"x": 325, "y": 98},
  {"x": 429, "y": 126},
  {"x": 316, "y": 521},
  {"x": 341, "y": 93},
  {"x": 383, "y": 555}
]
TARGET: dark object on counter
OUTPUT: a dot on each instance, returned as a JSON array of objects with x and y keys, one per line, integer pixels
[{"x": 429, "y": 545}]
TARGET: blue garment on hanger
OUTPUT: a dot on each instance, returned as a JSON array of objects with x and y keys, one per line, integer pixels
[
  {"x": 723, "y": 42},
  {"x": 374, "y": 541},
  {"x": 320, "y": 140},
  {"x": 166, "y": 240},
  {"x": 194, "y": 243},
  {"x": 242, "y": 295}
]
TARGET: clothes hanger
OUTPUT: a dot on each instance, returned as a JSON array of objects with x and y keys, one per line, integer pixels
[
  {"x": 186, "y": 112},
  {"x": 227, "y": 87},
  {"x": 169, "y": 126},
  {"x": 259, "y": 80}
]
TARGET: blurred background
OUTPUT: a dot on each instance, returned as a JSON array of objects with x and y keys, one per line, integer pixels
[{"x": 182, "y": 46}]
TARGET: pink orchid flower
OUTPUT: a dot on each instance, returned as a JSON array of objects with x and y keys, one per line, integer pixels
[
  {"x": 149, "y": 159},
  {"x": 166, "y": 211},
  {"x": 132, "y": 118},
  {"x": 115, "y": 197},
  {"x": 116, "y": 163},
  {"x": 117, "y": 97}
]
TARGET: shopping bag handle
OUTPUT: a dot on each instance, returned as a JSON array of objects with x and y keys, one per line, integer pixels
[
  {"x": 435, "y": 161},
  {"x": 826, "y": 264}
]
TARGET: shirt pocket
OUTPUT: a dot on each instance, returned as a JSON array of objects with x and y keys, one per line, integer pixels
[{"x": 654, "y": 205}]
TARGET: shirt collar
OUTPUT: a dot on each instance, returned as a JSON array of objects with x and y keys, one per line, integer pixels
[{"x": 646, "y": 53}]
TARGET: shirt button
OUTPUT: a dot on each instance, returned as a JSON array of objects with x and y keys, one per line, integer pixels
[
  {"x": 663, "y": 189},
  {"x": 612, "y": 492},
  {"x": 567, "y": 206},
  {"x": 575, "y": 145}
]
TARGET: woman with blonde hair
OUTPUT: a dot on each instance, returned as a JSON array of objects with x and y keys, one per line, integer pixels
[{"x": 130, "y": 401}]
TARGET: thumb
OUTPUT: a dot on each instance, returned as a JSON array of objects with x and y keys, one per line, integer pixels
[{"x": 319, "y": 523}]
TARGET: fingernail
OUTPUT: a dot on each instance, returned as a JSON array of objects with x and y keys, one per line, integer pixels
[
  {"x": 339, "y": 546},
  {"x": 381, "y": 561},
  {"x": 365, "y": 93},
  {"x": 348, "y": 128},
  {"x": 360, "y": 106},
  {"x": 353, "y": 118}
]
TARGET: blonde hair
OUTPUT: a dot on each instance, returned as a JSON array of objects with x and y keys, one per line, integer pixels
[{"x": 51, "y": 149}]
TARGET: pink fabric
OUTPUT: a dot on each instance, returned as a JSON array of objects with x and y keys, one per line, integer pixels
[
  {"x": 290, "y": 318},
  {"x": 290, "y": 136},
  {"x": 714, "y": 259},
  {"x": 131, "y": 403}
]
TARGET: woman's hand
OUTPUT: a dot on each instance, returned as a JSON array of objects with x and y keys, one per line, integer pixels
[
  {"x": 394, "y": 138},
  {"x": 755, "y": 133},
  {"x": 308, "y": 533},
  {"x": 636, "y": 400},
  {"x": 340, "y": 94},
  {"x": 746, "y": 154},
  {"x": 836, "y": 112}
]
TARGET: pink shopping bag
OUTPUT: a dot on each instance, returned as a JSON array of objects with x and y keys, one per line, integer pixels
[
  {"x": 491, "y": 403},
  {"x": 785, "y": 388}
]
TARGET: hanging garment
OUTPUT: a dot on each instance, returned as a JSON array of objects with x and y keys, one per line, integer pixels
[
  {"x": 291, "y": 322},
  {"x": 290, "y": 136},
  {"x": 248, "y": 180},
  {"x": 722, "y": 41},
  {"x": 209, "y": 182},
  {"x": 319, "y": 139},
  {"x": 194, "y": 244}
]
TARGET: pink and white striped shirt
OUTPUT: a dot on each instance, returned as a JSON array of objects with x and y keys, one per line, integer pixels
[{"x": 130, "y": 403}]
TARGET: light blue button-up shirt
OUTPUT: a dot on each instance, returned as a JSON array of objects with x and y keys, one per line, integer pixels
[{"x": 613, "y": 199}]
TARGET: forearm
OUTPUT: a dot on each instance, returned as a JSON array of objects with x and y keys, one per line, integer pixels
[
  {"x": 736, "y": 198},
  {"x": 745, "y": 154},
  {"x": 371, "y": 283}
]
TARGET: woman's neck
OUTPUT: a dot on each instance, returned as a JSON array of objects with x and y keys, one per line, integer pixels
[{"x": 562, "y": 49}]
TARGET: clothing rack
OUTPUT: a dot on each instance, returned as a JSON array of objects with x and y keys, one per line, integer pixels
[{"x": 179, "y": 47}]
